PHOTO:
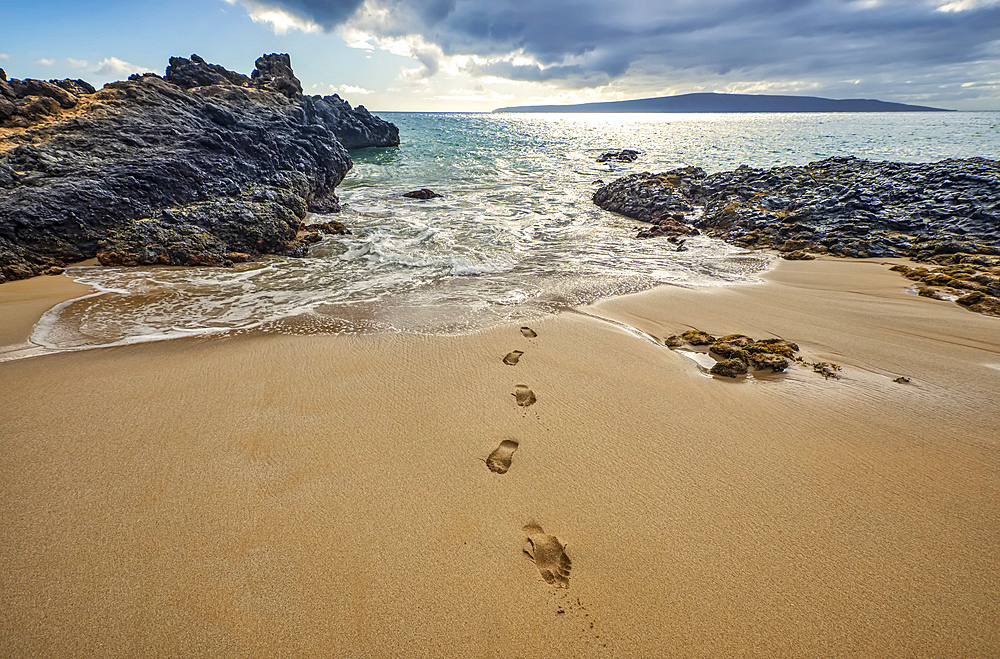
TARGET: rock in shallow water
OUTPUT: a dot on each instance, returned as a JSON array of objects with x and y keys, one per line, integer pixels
[
  {"x": 625, "y": 155},
  {"x": 422, "y": 193},
  {"x": 843, "y": 206},
  {"x": 185, "y": 169}
]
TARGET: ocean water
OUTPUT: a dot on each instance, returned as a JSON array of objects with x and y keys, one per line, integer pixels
[{"x": 514, "y": 236}]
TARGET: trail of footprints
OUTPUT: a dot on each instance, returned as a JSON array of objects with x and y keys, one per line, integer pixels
[
  {"x": 544, "y": 549},
  {"x": 547, "y": 552}
]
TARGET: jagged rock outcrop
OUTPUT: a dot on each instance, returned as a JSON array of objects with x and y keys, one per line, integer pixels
[
  {"x": 355, "y": 128},
  {"x": 24, "y": 102},
  {"x": 196, "y": 72},
  {"x": 202, "y": 166},
  {"x": 843, "y": 206},
  {"x": 648, "y": 197}
]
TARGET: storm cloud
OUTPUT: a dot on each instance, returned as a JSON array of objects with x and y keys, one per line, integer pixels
[{"x": 583, "y": 42}]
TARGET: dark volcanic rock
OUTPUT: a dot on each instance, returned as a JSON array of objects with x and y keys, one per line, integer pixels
[
  {"x": 625, "y": 155},
  {"x": 670, "y": 225},
  {"x": 660, "y": 199},
  {"x": 274, "y": 72},
  {"x": 422, "y": 193},
  {"x": 355, "y": 128},
  {"x": 201, "y": 167},
  {"x": 196, "y": 72},
  {"x": 842, "y": 206},
  {"x": 859, "y": 208}
]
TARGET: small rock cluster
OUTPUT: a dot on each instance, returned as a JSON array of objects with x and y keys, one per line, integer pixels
[{"x": 737, "y": 354}]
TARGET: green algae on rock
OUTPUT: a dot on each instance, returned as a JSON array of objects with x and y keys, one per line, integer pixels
[
  {"x": 971, "y": 280},
  {"x": 730, "y": 368},
  {"x": 737, "y": 354},
  {"x": 697, "y": 337}
]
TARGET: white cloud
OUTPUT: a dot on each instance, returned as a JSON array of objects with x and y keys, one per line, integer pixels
[
  {"x": 351, "y": 89},
  {"x": 115, "y": 66},
  {"x": 966, "y": 5},
  {"x": 279, "y": 20},
  {"x": 45, "y": 61},
  {"x": 77, "y": 63},
  {"x": 358, "y": 39},
  {"x": 340, "y": 89},
  {"x": 991, "y": 85},
  {"x": 4, "y": 56}
]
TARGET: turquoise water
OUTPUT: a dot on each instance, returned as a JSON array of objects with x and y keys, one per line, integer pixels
[{"x": 514, "y": 236}]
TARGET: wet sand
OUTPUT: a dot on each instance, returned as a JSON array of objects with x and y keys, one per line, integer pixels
[
  {"x": 330, "y": 495},
  {"x": 23, "y": 302}
]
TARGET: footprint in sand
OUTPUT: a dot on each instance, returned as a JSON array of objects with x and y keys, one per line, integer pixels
[
  {"x": 511, "y": 357},
  {"x": 528, "y": 332},
  {"x": 523, "y": 396},
  {"x": 500, "y": 458},
  {"x": 549, "y": 555}
]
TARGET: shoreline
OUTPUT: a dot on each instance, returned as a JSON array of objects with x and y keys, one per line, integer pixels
[
  {"x": 269, "y": 492},
  {"x": 24, "y": 302}
]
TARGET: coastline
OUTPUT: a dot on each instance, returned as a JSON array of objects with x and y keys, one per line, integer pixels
[{"x": 266, "y": 493}]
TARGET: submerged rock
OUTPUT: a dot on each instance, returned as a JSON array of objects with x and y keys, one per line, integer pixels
[
  {"x": 190, "y": 168},
  {"x": 625, "y": 155},
  {"x": 422, "y": 193}
]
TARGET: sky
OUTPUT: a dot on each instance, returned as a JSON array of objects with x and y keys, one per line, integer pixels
[{"x": 477, "y": 55}]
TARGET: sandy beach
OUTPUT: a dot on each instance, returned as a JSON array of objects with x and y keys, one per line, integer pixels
[{"x": 275, "y": 494}]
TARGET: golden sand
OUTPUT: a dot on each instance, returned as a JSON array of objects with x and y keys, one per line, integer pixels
[
  {"x": 329, "y": 495},
  {"x": 23, "y": 302}
]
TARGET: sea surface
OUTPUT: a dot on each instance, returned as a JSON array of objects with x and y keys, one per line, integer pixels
[{"x": 514, "y": 236}]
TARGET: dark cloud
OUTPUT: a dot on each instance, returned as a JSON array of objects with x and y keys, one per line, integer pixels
[
  {"x": 326, "y": 13},
  {"x": 579, "y": 41}
]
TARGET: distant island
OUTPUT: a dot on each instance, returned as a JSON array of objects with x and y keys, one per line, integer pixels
[{"x": 731, "y": 103}]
